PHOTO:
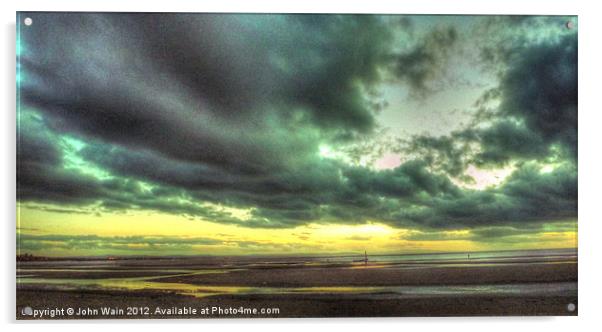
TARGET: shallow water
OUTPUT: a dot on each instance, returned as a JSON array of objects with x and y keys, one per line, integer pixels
[
  {"x": 146, "y": 283},
  {"x": 33, "y": 276},
  {"x": 551, "y": 254}
]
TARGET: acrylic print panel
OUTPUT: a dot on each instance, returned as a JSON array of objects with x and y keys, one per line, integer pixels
[{"x": 255, "y": 165}]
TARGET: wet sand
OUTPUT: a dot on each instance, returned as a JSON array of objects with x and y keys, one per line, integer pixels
[
  {"x": 526, "y": 286},
  {"x": 300, "y": 305},
  {"x": 366, "y": 276}
]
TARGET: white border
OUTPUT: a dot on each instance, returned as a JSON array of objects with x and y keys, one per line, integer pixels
[
  {"x": 589, "y": 155},
  {"x": 308, "y": 6}
]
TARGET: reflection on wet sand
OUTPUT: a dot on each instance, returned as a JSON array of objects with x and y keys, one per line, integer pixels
[
  {"x": 538, "y": 277},
  {"x": 136, "y": 284}
]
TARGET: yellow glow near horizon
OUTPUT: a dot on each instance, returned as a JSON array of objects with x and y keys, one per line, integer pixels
[
  {"x": 354, "y": 230},
  {"x": 236, "y": 240}
]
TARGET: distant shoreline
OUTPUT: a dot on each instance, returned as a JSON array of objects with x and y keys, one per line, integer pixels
[{"x": 291, "y": 256}]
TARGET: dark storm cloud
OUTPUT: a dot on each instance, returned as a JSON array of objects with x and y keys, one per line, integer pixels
[
  {"x": 527, "y": 196},
  {"x": 44, "y": 177},
  {"x": 207, "y": 88},
  {"x": 418, "y": 66},
  {"x": 448, "y": 153},
  {"x": 232, "y": 110},
  {"x": 506, "y": 140},
  {"x": 242, "y": 64},
  {"x": 501, "y": 35},
  {"x": 536, "y": 117},
  {"x": 40, "y": 175},
  {"x": 322, "y": 190},
  {"x": 404, "y": 181},
  {"x": 214, "y": 104},
  {"x": 540, "y": 88}
]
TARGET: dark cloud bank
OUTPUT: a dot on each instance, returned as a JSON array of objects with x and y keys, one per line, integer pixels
[
  {"x": 232, "y": 110},
  {"x": 140, "y": 244}
]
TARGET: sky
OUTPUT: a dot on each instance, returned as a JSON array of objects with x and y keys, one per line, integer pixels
[{"x": 251, "y": 134}]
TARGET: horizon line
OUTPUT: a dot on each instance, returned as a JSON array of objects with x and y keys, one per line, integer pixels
[{"x": 295, "y": 255}]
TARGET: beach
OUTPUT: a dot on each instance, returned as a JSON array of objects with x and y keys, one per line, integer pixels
[{"x": 534, "y": 283}]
